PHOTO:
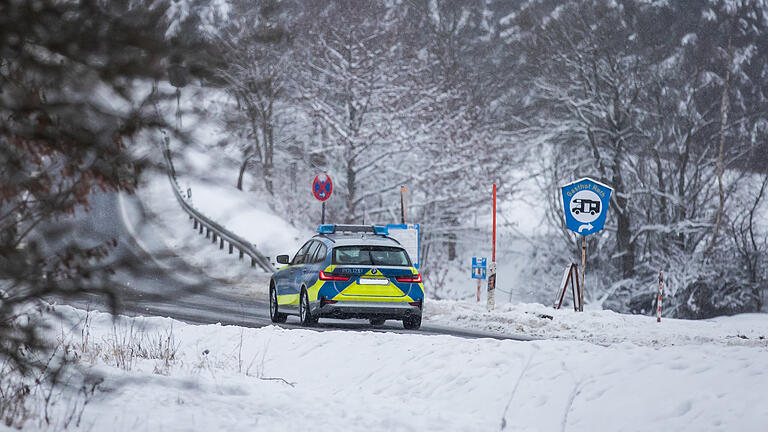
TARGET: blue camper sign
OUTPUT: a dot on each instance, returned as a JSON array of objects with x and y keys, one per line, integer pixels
[{"x": 585, "y": 204}]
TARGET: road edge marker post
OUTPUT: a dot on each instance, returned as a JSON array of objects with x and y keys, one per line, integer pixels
[
  {"x": 492, "y": 267},
  {"x": 661, "y": 295}
]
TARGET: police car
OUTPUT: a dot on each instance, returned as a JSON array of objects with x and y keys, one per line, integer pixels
[{"x": 348, "y": 271}]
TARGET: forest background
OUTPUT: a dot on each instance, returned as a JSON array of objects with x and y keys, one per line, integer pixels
[{"x": 664, "y": 101}]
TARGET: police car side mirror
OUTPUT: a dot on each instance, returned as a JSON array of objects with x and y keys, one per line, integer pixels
[{"x": 282, "y": 259}]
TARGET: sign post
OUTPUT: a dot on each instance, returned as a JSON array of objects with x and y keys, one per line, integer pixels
[
  {"x": 322, "y": 188},
  {"x": 583, "y": 271},
  {"x": 585, "y": 205},
  {"x": 492, "y": 268},
  {"x": 402, "y": 205},
  {"x": 478, "y": 272}
]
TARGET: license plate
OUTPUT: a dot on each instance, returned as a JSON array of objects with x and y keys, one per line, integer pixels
[{"x": 374, "y": 281}]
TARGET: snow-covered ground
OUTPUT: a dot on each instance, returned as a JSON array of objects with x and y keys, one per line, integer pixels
[{"x": 232, "y": 378}]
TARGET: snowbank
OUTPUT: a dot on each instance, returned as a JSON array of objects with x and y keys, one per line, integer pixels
[
  {"x": 239, "y": 379},
  {"x": 599, "y": 326}
]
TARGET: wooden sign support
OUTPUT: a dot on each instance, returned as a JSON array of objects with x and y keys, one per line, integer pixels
[{"x": 571, "y": 277}]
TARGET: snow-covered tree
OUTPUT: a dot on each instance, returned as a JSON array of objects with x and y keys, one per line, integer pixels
[
  {"x": 254, "y": 69},
  {"x": 642, "y": 112},
  {"x": 352, "y": 80},
  {"x": 72, "y": 76}
]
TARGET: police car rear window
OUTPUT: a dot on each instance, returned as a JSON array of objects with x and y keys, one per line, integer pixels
[{"x": 370, "y": 255}]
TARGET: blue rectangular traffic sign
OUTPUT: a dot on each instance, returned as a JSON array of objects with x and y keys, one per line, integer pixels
[{"x": 478, "y": 267}]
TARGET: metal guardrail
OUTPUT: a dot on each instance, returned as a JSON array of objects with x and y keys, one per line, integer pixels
[{"x": 212, "y": 229}]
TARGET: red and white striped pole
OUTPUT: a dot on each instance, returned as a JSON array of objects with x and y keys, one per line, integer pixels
[
  {"x": 661, "y": 292},
  {"x": 492, "y": 269}
]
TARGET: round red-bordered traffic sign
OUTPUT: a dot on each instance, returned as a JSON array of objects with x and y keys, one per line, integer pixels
[{"x": 322, "y": 188}]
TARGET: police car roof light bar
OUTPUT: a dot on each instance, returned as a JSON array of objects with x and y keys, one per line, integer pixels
[
  {"x": 381, "y": 230},
  {"x": 326, "y": 229},
  {"x": 372, "y": 229}
]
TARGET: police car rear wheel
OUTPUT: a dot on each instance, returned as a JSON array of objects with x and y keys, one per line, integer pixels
[
  {"x": 412, "y": 322},
  {"x": 274, "y": 313},
  {"x": 305, "y": 314}
]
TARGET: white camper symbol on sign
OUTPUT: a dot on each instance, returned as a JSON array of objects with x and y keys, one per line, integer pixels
[{"x": 585, "y": 206}]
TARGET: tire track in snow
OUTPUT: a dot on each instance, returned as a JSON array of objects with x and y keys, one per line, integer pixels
[{"x": 517, "y": 384}]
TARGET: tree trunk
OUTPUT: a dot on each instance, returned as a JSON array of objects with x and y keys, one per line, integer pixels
[
  {"x": 623, "y": 241},
  {"x": 243, "y": 166},
  {"x": 351, "y": 192},
  {"x": 623, "y": 226},
  {"x": 720, "y": 164},
  {"x": 680, "y": 212},
  {"x": 268, "y": 180},
  {"x": 268, "y": 138},
  {"x": 451, "y": 246}
]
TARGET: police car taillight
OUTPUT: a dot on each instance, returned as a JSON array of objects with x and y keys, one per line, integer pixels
[
  {"x": 332, "y": 277},
  {"x": 409, "y": 279}
]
